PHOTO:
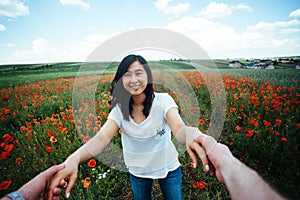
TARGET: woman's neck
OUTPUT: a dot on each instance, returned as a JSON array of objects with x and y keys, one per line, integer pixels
[{"x": 139, "y": 99}]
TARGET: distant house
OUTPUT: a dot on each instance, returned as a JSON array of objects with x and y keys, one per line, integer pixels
[
  {"x": 298, "y": 66},
  {"x": 269, "y": 64},
  {"x": 262, "y": 64},
  {"x": 252, "y": 65},
  {"x": 236, "y": 64}
]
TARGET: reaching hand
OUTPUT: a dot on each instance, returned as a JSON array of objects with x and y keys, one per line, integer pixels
[
  {"x": 36, "y": 188},
  {"x": 69, "y": 174},
  {"x": 217, "y": 153}
]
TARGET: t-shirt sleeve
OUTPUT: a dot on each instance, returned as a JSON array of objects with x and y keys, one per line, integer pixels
[
  {"x": 168, "y": 102},
  {"x": 116, "y": 115}
]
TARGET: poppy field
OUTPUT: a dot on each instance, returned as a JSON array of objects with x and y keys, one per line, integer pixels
[{"x": 40, "y": 127}]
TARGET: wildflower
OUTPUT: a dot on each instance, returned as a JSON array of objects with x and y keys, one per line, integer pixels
[
  {"x": 201, "y": 121},
  {"x": 238, "y": 128},
  {"x": 232, "y": 109},
  {"x": 9, "y": 147},
  {"x": 86, "y": 182},
  {"x": 98, "y": 123},
  {"x": 92, "y": 163},
  {"x": 53, "y": 139},
  {"x": 28, "y": 124},
  {"x": 96, "y": 129},
  {"x": 84, "y": 138},
  {"x": 201, "y": 185},
  {"x": 48, "y": 149},
  {"x": 79, "y": 122},
  {"x": 195, "y": 184},
  {"x": 249, "y": 133},
  {"x": 253, "y": 122},
  {"x": 266, "y": 123},
  {"x": 50, "y": 133},
  {"x": 5, "y": 185},
  {"x": 8, "y": 137},
  {"x": 283, "y": 139},
  {"x": 60, "y": 125},
  {"x": 18, "y": 160},
  {"x": 277, "y": 121},
  {"x": 6, "y": 111}
]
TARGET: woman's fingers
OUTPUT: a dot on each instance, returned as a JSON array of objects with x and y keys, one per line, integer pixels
[
  {"x": 195, "y": 147},
  {"x": 70, "y": 184},
  {"x": 193, "y": 156}
]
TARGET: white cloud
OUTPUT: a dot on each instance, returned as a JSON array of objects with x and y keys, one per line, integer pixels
[
  {"x": 289, "y": 30},
  {"x": 163, "y": 5},
  {"x": 7, "y": 45},
  {"x": 75, "y": 2},
  {"x": 2, "y": 27},
  {"x": 13, "y": 8},
  {"x": 42, "y": 52},
  {"x": 221, "y": 10},
  {"x": 266, "y": 27},
  {"x": 222, "y": 41},
  {"x": 295, "y": 13}
]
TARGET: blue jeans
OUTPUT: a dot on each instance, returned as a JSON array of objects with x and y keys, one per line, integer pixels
[{"x": 170, "y": 186}]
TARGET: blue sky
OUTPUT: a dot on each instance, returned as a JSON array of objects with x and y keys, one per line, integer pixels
[{"x": 37, "y": 31}]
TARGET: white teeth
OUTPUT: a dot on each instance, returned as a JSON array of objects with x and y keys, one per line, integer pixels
[{"x": 135, "y": 87}]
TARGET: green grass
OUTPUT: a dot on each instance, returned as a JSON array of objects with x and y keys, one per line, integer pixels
[{"x": 276, "y": 162}]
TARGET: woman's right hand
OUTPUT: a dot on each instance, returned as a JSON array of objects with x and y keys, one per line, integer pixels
[{"x": 69, "y": 174}]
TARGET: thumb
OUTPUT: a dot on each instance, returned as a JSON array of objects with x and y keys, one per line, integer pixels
[{"x": 52, "y": 170}]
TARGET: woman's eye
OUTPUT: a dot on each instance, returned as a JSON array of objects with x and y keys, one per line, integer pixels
[{"x": 126, "y": 75}]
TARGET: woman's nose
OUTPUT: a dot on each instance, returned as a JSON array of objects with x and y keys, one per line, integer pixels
[{"x": 133, "y": 78}]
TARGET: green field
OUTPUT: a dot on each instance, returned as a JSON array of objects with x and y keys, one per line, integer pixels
[{"x": 37, "y": 110}]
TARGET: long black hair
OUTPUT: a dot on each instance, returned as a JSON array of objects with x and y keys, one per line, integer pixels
[{"x": 121, "y": 96}]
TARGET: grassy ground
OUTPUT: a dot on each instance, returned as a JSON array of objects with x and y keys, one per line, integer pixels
[{"x": 264, "y": 152}]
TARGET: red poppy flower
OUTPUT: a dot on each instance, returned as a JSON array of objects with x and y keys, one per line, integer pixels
[
  {"x": 201, "y": 121},
  {"x": 48, "y": 149},
  {"x": 4, "y": 185},
  {"x": 266, "y": 123},
  {"x": 195, "y": 184},
  {"x": 92, "y": 163},
  {"x": 201, "y": 185},
  {"x": 8, "y": 137},
  {"x": 238, "y": 128},
  {"x": 283, "y": 139},
  {"x": 4, "y": 155},
  {"x": 18, "y": 160},
  {"x": 86, "y": 182},
  {"x": 50, "y": 133},
  {"x": 277, "y": 121}
]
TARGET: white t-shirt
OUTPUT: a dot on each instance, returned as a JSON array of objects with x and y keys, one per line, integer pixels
[{"x": 147, "y": 147}]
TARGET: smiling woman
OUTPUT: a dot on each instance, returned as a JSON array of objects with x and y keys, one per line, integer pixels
[{"x": 147, "y": 120}]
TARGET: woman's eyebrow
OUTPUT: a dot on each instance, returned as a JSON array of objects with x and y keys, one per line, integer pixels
[{"x": 135, "y": 70}]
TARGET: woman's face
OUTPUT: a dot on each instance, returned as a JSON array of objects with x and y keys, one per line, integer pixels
[{"x": 135, "y": 79}]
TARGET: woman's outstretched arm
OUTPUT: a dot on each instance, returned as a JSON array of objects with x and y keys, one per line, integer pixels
[{"x": 90, "y": 149}]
